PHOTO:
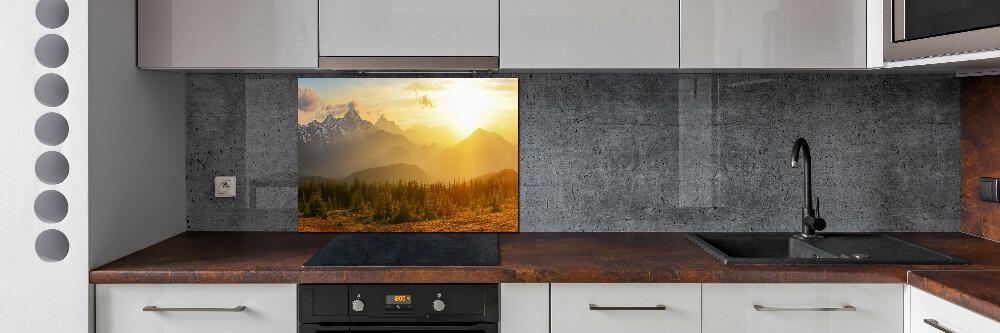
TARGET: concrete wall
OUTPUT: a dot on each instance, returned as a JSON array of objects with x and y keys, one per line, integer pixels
[{"x": 640, "y": 152}]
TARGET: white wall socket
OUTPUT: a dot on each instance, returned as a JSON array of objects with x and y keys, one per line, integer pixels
[{"x": 225, "y": 187}]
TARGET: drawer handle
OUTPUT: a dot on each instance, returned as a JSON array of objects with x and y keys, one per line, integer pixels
[
  {"x": 848, "y": 307},
  {"x": 154, "y": 308},
  {"x": 658, "y": 307},
  {"x": 935, "y": 324}
]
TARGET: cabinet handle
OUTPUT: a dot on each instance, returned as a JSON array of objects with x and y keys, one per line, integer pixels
[
  {"x": 848, "y": 307},
  {"x": 159, "y": 309},
  {"x": 935, "y": 324},
  {"x": 660, "y": 307}
]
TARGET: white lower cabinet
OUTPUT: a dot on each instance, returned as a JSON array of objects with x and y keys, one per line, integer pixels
[
  {"x": 625, "y": 307},
  {"x": 196, "y": 308},
  {"x": 930, "y": 314},
  {"x": 816, "y": 308},
  {"x": 524, "y": 307},
  {"x": 569, "y": 308}
]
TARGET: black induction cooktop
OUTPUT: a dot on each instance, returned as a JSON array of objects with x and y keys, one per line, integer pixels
[{"x": 408, "y": 249}]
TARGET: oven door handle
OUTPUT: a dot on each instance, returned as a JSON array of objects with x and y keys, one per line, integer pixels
[
  {"x": 482, "y": 327},
  {"x": 312, "y": 328}
]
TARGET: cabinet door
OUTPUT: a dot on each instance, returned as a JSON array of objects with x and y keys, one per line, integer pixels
[
  {"x": 773, "y": 34},
  {"x": 626, "y": 307},
  {"x": 524, "y": 308},
  {"x": 927, "y": 310},
  {"x": 227, "y": 33},
  {"x": 816, "y": 308},
  {"x": 408, "y": 28},
  {"x": 269, "y": 308},
  {"x": 589, "y": 34}
]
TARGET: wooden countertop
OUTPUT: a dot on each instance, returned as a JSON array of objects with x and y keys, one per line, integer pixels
[
  {"x": 978, "y": 291},
  {"x": 277, "y": 257}
]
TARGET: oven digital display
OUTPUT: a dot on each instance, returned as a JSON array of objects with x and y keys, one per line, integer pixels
[{"x": 398, "y": 299}]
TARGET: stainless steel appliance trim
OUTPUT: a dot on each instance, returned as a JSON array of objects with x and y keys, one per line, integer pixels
[
  {"x": 898, "y": 20},
  {"x": 482, "y": 327},
  {"x": 848, "y": 307},
  {"x": 409, "y": 63},
  {"x": 935, "y": 324},
  {"x": 658, "y": 307},
  {"x": 154, "y": 308},
  {"x": 957, "y": 43}
]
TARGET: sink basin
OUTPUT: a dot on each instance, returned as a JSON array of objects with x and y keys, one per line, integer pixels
[{"x": 785, "y": 248}]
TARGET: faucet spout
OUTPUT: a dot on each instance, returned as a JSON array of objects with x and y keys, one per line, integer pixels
[{"x": 810, "y": 222}]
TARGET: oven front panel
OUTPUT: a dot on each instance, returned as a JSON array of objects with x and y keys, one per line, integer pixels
[
  {"x": 475, "y": 328},
  {"x": 426, "y": 304}
]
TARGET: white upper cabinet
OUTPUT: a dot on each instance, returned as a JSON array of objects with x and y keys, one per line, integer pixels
[
  {"x": 582, "y": 34},
  {"x": 775, "y": 34},
  {"x": 227, "y": 33},
  {"x": 409, "y": 28}
]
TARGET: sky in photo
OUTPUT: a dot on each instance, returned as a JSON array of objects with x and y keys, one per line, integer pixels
[{"x": 462, "y": 104}]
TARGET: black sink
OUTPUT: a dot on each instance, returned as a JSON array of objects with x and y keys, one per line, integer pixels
[{"x": 786, "y": 248}]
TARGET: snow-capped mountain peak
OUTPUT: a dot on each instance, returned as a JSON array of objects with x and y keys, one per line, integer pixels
[{"x": 333, "y": 130}]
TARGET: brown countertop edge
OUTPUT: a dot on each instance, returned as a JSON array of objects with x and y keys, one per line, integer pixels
[
  {"x": 978, "y": 291},
  {"x": 277, "y": 257}
]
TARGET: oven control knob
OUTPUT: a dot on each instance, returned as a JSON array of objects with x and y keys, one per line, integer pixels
[
  {"x": 358, "y": 305},
  {"x": 438, "y": 305}
]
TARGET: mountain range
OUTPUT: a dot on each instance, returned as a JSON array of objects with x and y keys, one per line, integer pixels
[
  {"x": 351, "y": 148},
  {"x": 334, "y": 130}
]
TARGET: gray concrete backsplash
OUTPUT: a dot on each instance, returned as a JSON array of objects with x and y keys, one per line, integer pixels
[{"x": 638, "y": 152}]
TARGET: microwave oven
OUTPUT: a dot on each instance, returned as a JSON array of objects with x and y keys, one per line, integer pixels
[{"x": 915, "y": 29}]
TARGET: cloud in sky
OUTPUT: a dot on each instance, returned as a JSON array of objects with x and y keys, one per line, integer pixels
[
  {"x": 311, "y": 111},
  {"x": 337, "y": 110},
  {"x": 308, "y": 100},
  {"x": 424, "y": 101}
]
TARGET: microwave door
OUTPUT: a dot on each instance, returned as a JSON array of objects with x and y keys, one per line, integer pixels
[
  {"x": 916, "y": 29},
  {"x": 916, "y": 19}
]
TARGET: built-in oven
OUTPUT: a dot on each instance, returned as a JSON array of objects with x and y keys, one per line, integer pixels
[
  {"x": 387, "y": 308},
  {"x": 928, "y": 28}
]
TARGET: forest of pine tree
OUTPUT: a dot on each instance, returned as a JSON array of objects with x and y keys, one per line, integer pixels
[{"x": 399, "y": 202}]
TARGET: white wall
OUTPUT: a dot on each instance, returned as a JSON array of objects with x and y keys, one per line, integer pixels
[
  {"x": 137, "y": 187},
  {"x": 38, "y": 295},
  {"x": 125, "y": 150}
]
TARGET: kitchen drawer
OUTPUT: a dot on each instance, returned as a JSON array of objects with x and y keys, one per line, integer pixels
[
  {"x": 949, "y": 317},
  {"x": 270, "y": 308},
  {"x": 626, "y": 307},
  {"x": 776, "y": 308}
]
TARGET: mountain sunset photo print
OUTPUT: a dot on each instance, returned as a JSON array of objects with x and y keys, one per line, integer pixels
[{"x": 408, "y": 155}]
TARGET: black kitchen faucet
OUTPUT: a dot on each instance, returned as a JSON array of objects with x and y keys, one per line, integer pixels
[{"x": 810, "y": 221}]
